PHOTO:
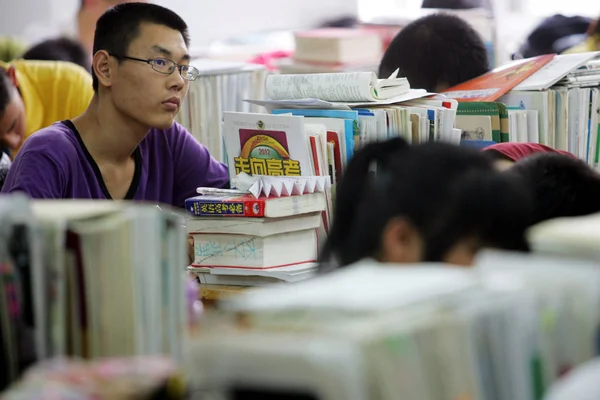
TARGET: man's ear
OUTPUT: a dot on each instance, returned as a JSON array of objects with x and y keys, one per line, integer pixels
[
  {"x": 12, "y": 74},
  {"x": 401, "y": 242},
  {"x": 102, "y": 64}
]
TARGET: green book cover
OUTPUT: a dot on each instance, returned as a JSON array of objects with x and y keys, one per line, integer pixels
[
  {"x": 504, "y": 126},
  {"x": 598, "y": 145},
  {"x": 475, "y": 128}
]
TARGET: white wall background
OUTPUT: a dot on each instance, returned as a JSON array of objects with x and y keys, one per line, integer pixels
[
  {"x": 219, "y": 19},
  {"x": 208, "y": 19}
]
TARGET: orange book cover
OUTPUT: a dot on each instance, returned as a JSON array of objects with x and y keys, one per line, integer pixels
[{"x": 494, "y": 84}]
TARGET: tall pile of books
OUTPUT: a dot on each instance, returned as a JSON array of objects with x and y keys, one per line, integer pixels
[
  {"x": 247, "y": 239},
  {"x": 89, "y": 279},
  {"x": 505, "y": 330},
  {"x": 350, "y": 110}
]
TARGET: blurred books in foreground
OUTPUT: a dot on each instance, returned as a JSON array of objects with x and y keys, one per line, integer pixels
[
  {"x": 506, "y": 329},
  {"x": 89, "y": 279}
]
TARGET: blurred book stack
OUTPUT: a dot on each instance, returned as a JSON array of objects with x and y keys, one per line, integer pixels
[
  {"x": 506, "y": 329},
  {"x": 334, "y": 50},
  {"x": 89, "y": 279}
]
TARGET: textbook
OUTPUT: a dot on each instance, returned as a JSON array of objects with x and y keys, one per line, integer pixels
[
  {"x": 557, "y": 69},
  {"x": 490, "y": 86},
  {"x": 349, "y": 86},
  {"x": 253, "y": 225},
  {"x": 253, "y": 276},
  {"x": 249, "y": 251},
  {"x": 250, "y": 206}
]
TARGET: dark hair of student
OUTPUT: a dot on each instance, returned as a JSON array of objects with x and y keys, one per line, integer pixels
[
  {"x": 439, "y": 49},
  {"x": 454, "y": 4},
  {"x": 5, "y": 90},
  {"x": 120, "y": 25},
  {"x": 562, "y": 186},
  {"x": 446, "y": 192},
  {"x": 60, "y": 49},
  {"x": 489, "y": 208},
  {"x": 496, "y": 155}
]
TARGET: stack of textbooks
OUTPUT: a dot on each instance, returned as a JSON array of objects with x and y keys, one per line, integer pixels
[
  {"x": 506, "y": 329},
  {"x": 552, "y": 100},
  {"x": 253, "y": 240},
  {"x": 89, "y": 279}
]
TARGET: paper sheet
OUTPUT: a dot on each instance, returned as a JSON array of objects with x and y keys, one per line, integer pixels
[{"x": 272, "y": 186}]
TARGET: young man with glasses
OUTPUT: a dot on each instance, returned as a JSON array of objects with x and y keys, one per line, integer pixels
[{"x": 126, "y": 145}]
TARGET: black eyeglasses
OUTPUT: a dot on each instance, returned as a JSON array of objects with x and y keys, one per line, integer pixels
[{"x": 166, "y": 66}]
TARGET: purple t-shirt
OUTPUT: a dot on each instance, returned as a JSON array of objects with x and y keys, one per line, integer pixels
[{"x": 169, "y": 165}]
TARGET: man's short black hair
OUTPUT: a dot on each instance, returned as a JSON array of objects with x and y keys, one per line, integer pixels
[
  {"x": 120, "y": 25},
  {"x": 5, "y": 90},
  {"x": 563, "y": 186},
  {"x": 436, "y": 49},
  {"x": 61, "y": 49},
  {"x": 455, "y": 4}
]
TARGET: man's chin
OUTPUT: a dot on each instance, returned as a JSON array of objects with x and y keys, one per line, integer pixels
[{"x": 164, "y": 124}]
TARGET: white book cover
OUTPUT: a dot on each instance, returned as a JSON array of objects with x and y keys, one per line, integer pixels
[
  {"x": 312, "y": 103},
  {"x": 264, "y": 144},
  {"x": 349, "y": 86},
  {"x": 558, "y": 68}
]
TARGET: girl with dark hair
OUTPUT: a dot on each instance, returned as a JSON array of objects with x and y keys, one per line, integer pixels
[{"x": 430, "y": 202}]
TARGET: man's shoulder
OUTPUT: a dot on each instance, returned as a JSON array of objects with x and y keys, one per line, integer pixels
[{"x": 55, "y": 140}]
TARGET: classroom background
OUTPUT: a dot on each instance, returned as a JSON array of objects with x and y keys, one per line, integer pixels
[
  {"x": 214, "y": 26},
  {"x": 150, "y": 323}
]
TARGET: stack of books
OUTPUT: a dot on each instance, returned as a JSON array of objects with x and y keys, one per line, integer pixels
[
  {"x": 506, "y": 329},
  {"x": 254, "y": 240},
  {"x": 552, "y": 100},
  {"x": 334, "y": 50},
  {"x": 89, "y": 279},
  {"x": 380, "y": 108},
  {"x": 574, "y": 237}
]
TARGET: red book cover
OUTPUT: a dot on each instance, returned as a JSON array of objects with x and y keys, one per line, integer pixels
[
  {"x": 211, "y": 206},
  {"x": 494, "y": 84}
]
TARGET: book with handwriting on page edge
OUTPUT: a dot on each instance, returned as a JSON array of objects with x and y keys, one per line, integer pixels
[{"x": 349, "y": 86}]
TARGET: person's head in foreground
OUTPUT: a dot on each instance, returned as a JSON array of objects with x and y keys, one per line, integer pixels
[
  {"x": 435, "y": 53},
  {"x": 12, "y": 110},
  {"x": 456, "y": 4},
  {"x": 563, "y": 186},
  {"x": 505, "y": 155},
  {"x": 59, "y": 49},
  {"x": 430, "y": 202}
]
